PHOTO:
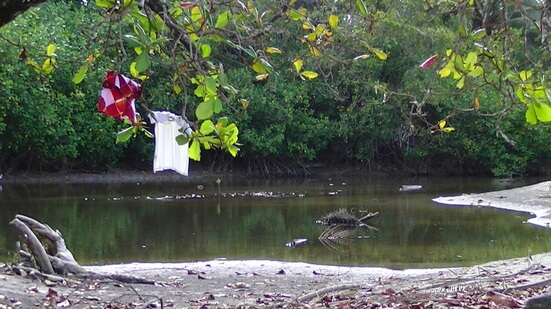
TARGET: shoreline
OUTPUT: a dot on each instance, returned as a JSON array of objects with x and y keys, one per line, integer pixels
[{"x": 534, "y": 200}]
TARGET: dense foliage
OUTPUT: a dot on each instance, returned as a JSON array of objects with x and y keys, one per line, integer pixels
[{"x": 365, "y": 102}]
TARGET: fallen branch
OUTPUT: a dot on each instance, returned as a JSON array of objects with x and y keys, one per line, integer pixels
[{"x": 45, "y": 255}]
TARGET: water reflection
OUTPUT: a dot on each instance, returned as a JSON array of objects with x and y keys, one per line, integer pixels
[{"x": 189, "y": 221}]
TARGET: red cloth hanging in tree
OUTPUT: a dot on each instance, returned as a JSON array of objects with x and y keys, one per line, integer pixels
[{"x": 117, "y": 98}]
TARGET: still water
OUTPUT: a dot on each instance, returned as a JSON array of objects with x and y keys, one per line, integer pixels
[{"x": 255, "y": 219}]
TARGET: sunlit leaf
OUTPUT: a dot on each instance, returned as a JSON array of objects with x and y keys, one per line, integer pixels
[
  {"x": 524, "y": 75},
  {"x": 309, "y": 74},
  {"x": 176, "y": 88},
  {"x": 461, "y": 83},
  {"x": 333, "y": 21},
  {"x": 441, "y": 124},
  {"x": 79, "y": 77},
  {"x": 205, "y": 50},
  {"x": 380, "y": 54},
  {"x": 445, "y": 72},
  {"x": 48, "y": 66},
  {"x": 448, "y": 129},
  {"x": 543, "y": 112},
  {"x": 298, "y": 65},
  {"x": 223, "y": 20},
  {"x": 194, "y": 150},
  {"x": 207, "y": 127},
  {"x": 306, "y": 26},
  {"x": 196, "y": 13},
  {"x": 273, "y": 50},
  {"x": 531, "y": 115},
  {"x": 50, "y": 50},
  {"x": 258, "y": 67},
  {"x": 295, "y": 15},
  {"x": 314, "y": 51},
  {"x": 520, "y": 95},
  {"x": 125, "y": 134},
  {"x": 476, "y": 71},
  {"x": 429, "y": 62},
  {"x": 232, "y": 149}
]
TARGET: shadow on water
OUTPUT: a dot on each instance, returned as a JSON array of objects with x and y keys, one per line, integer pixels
[{"x": 255, "y": 219}]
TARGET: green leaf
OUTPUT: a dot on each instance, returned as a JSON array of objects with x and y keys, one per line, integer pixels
[
  {"x": 194, "y": 151},
  {"x": 461, "y": 83},
  {"x": 200, "y": 91},
  {"x": 217, "y": 106},
  {"x": 125, "y": 134},
  {"x": 543, "y": 112},
  {"x": 210, "y": 85},
  {"x": 196, "y": 13},
  {"x": 207, "y": 127},
  {"x": 361, "y": 7},
  {"x": 204, "y": 110},
  {"x": 233, "y": 150},
  {"x": 258, "y": 67},
  {"x": 222, "y": 121},
  {"x": 205, "y": 50},
  {"x": 50, "y": 50},
  {"x": 142, "y": 62},
  {"x": 478, "y": 34},
  {"x": 79, "y": 77},
  {"x": 182, "y": 139},
  {"x": 476, "y": 71},
  {"x": 531, "y": 115},
  {"x": 223, "y": 20},
  {"x": 295, "y": 15},
  {"x": 105, "y": 4},
  {"x": 520, "y": 95},
  {"x": 132, "y": 41},
  {"x": 222, "y": 79}
]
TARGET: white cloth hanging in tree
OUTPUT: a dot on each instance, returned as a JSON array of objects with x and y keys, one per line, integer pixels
[{"x": 168, "y": 154}]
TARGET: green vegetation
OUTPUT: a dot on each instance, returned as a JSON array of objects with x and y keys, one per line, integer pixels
[{"x": 405, "y": 86}]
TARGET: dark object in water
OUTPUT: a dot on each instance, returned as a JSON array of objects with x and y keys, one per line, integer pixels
[
  {"x": 297, "y": 242},
  {"x": 406, "y": 188},
  {"x": 344, "y": 217}
]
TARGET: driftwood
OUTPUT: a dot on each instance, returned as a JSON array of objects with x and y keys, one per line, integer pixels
[
  {"x": 47, "y": 248},
  {"x": 45, "y": 255}
]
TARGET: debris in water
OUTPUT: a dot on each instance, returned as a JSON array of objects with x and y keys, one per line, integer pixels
[{"x": 406, "y": 188}]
